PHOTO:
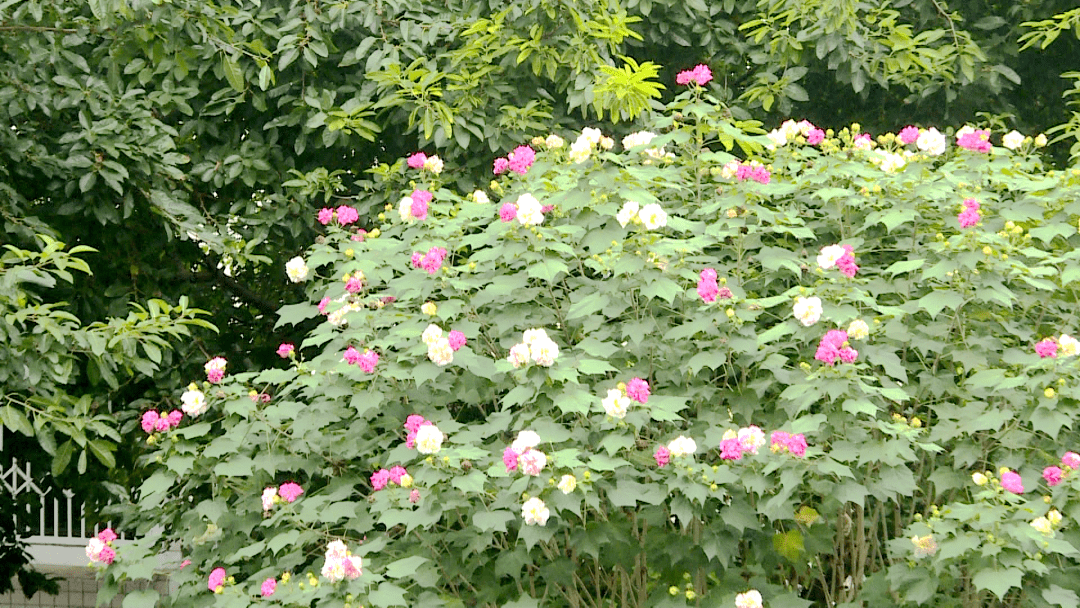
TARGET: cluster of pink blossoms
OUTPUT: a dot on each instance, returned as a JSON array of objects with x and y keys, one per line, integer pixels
[
  {"x": 430, "y": 261},
  {"x": 840, "y": 256},
  {"x": 834, "y": 345},
  {"x": 215, "y": 369},
  {"x": 976, "y": 140},
  {"x": 521, "y": 454},
  {"x": 287, "y": 492},
  {"x": 1011, "y": 482},
  {"x": 1054, "y": 475},
  {"x": 268, "y": 587},
  {"x": 970, "y": 215},
  {"x": 709, "y": 289},
  {"x": 781, "y": 441},
  {"x": 285, "y": 350},
  {"x": 344, "y": 214},
  {"x": 1048, "y": 347},
  {"x": 396, "y": 475},
  {"x": 519, "y": 161},
  {"x": 412, "y": 426},
  {"x": 100, "y": 549},
  {"x": 354, "y": 282},
  {"x": 908, "y": 135},
  {"x": 747, "y": 170},
  {"x": 424, "y": 162},
  {"x": 216, "y": 581},
  {"x": 700, "y": 75},
  {"x": 746, "y": 440},
  {"x": 152, "y": 421},
  {"x": 340, "y": 563},
  {"x": 366, "y": 360},
  {"x": 415, "y": 206}
]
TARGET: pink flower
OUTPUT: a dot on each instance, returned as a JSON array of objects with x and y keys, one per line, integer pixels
[
  {"x": 532, "y": 461},
  {"x": 174, "y": 418},
  {"x": 1052, "y": 475},
  {"x": 846, "y": 262},
  {"x": 510, "y": 459},
  {"x": 456, "y": 340},
  {"x": 724, "y": 293},
  {"x": 419, "y": 207},
  {"x": 707, "y": 287},
  {"x": 215, "y": 369},
  {"x": 380, "y": 479},
  {"x": 107, "y": 555},
  {"x": 783, "y": 442},
  {"x": 285, "y": 350},
  {"x": 417, "y": 257},
  {"x": 149, "y": 421},
  {"x": 908, "y": 135},
  {"x": 216, "y": 580},
  {"x": 355, "y": 284},
  {"x": 829, "y": 349},
  {"x": 1071, "y": 460},
  {"x": 1011, "y": 482},
  {"x": 359, "y": 236},
  {"x": 700, "y": 75},
  {"x": 848, "y": 354},
  {"x": 396, "y": 473},
  {"x": 185, "y": 564},
  {"x": 662, "y": 456},
  {"x": 347, "y": 215},
  {"x": 268, "y": 587},
  {"x": 796, "y": 444},
  {"x": 501, "y": 165},
  {"x": 976, "y": 140},
  {"x": 323, "y": 303},
  {"x": 731, "y": 449},
  {"x": 508, "y": 212},
  {"x": 862, "y": 142},
  {"x": 368, "y": 361},
  {"x": 521, "y": 159},
  {"x": 416, "y": 161},
  {"x": 351, "y": 356},
  {"x": 107, "y": 535},
  {"x": 970, "y": 215},
  {"x": 1047, "y": 348},
  {"x": 815, "y": 136},
  {"x": 414, "y": 496},
  {"x": 638, "y": 390},
  {"x": 326, "y": 216},
  {"x": 290, "y": 491},
  {"x": 414, "y": 422}
]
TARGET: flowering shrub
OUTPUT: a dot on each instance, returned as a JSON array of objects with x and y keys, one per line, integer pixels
[{"x": 644, "y": 401}]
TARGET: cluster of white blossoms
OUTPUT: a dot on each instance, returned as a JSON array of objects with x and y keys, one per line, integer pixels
[
  {"x": 296, "y": 269},
  {"x": 529, "y": 210},
  {"x": 750, "y": 599},
  {"x": 535, "y": 512},
  {"x": 931, "y": 141},
  {"x": 891, "y": 162},
  {"x": 337, "y": 318},
  {"x": 808, "y": 310},
  {"x": 858, "y": 330},
  {"x": 480, "y": 197},
  {"x": 439, "y": 351},
  {"x": 567, "y": 483},
  {"x": 682, "y": 446},
  {"x": 616, "y": 403},
  {"x": 652, "y": 216},
  {"x": 535, "y": 346},
  {"x": 1046, "y": 524},
  {"x": 429, "y": 439},
  {"x": 340, "y": 563},
  {"x": 582, "y": 148},
  {"x": 193, "y": 401}
]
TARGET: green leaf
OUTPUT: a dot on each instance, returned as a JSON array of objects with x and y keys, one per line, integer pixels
[
  {"x": 16, "y": 420},
  {"x": 141, "y": 598},
  {"x": 1059, "y": 596},
  {"x": 492, "y": 520},
  {"x": 998, "y": 581},
  {"x": 405, "y": 567},
  {"x": 103, "y": 451},
  {"x": 232, "y": 73},
  {"x": 387, "y": 594}
]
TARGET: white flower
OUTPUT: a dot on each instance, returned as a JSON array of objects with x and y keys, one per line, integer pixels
[
  {"x": 534, "y": 335},
  {"x": 1040, "y": 140},
  {"x": 535, "y": 512},
  {"x": 591, "y": 135},
  {"x": 336, "y": 549},
  {"x": 1012, "y": 140},
  {"x": 554, "y": 141},
  {"x": 640, "y": 138},
  {"x": 529, "y": 210},
  {"x": 682, "y": 446},
  {"x": 481, "y": 197},
  {"x": 519, "y": 355},
  {"x": 337, "y": 318},
  {"x": 296, "y": 269},
  {"x": 607, "y": 143},
  {"x": 891, "y": 162},
  {"x": 616, "y": 403},
  {"x": 580, "y": 150},
  {"x": 432, "y": 334},
  {"x": 525, "y": 441},
  {"x": 829, "y": 255},
  {"x": 1069, "y": 345},
  {"x": 790, "y": 129},
  {"x": 729, "y": 170},
  {"x": 93, "y": 549},
  {"x": 429, "y": 439},
  {"x": 567, "y": 483},
  {"x": 627, "y": 214},
  {"x": 1054, "y": 517},
  {"x": 858, "y": 330},
  {"x": 751, "y": 438},
  {"x": 777, "y": 137},
  {"x": 931, "y": 141},
  {"x": 750, "y": 599},
  {"x": 808, "y": 310},
  {"x": 405, "y": 209},
  {"x": 193, "y": 401},
  {"x": 1043, "y": 525},
  {"x": 268, "y": 496},
  {"x": 433, "y": 164},
  {"x": 440, "y": 352},
  {"x": 544, "y": 352},
  {"x": 652, "y": 216}
]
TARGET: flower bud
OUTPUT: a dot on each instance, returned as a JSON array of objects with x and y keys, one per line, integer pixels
[{"x": 979, "y": 479}]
